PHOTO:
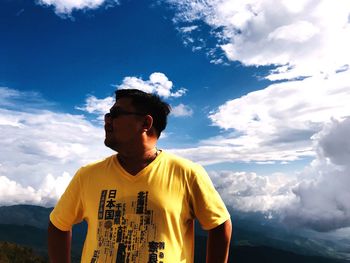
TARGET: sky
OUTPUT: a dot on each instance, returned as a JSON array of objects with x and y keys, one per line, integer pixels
[{"x": 259, "y": 91}]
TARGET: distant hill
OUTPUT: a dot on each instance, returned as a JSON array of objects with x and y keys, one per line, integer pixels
[
  {"x": 262, "y": 254},
  {"x": 31, "y": 243},
  {"x": 26, "y": 225},
  {"x": 36, "y": 239},
  {"x": 25, "y": 215}
]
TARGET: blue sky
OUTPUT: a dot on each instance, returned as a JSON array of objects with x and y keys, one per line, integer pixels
[{"x": 259, "y": 91}]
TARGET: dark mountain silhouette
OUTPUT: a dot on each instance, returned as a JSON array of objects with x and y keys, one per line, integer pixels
[{"x": 25, "y": 214}]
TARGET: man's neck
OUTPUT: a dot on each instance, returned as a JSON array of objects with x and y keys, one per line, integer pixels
[{"x": 134, "y": 162}]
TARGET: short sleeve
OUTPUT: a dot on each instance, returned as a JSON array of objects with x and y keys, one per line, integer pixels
[
  {"x": 207, "y": 204},
  {"x": 69, "y": 209}
]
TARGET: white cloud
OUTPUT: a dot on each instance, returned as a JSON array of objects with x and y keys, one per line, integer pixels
[
  {"x": 250, "y": 192},
  {"x": 275, "y": 123},
  {"x": 40, "y": 146},
  {"x": 316, "y": 197},
  {"x": 181, "y": 110},
  {"x": 287, "y": 105},
  {"x": 31, "y": 100},
  {"x": 97, "y": 106},
  {"x": 14, "y": 193},
  {"x": 187, "y": 29},
  {"x": 46, "y": 194},
  {"x": 6, "y": 94},
  {"x": 323, "y": 197},
  {"x": 63, "y": 7},
  {"x": 300, "y": 31},
  {"x": 158, "y": 83},
  {"x": 302, "y": 38}
]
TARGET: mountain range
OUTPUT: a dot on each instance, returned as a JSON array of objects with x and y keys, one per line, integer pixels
[{"x": 25, "y": 225}]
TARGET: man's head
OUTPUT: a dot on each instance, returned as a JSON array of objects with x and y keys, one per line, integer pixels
[{"x": 147, "y": 104}]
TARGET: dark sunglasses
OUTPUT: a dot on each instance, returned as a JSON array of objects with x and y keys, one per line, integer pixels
[{"x": 116, "y": 112}]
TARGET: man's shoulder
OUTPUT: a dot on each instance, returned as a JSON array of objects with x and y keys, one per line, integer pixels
[
  {"x": 99, "y": 164},
  {"x": 174, "y": 159}
]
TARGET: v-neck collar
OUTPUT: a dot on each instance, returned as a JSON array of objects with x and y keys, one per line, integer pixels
[{"x": 141, "y": 173}]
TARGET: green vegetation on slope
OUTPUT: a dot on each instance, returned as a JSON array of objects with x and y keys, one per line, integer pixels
[{"x": 13, "y": 253}]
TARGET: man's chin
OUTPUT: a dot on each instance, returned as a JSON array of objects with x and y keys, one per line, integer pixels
[
  {"x": 110, "y": 145},
  {"x": 107, "y": 143}
]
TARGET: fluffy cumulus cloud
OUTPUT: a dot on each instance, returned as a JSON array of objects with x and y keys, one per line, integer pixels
[
  {"x": 181, "y": 110},
  {"x": 302, "y": 38},
  {"x": 14, "y": 193},
  {"x": 275, "y": 123},
  {"x": 323, "y": 202},
  {"x": 250, "y": 192},
  {"x": 65, "y": 7},
  {"x": 97, "y": 106},
  {"x": 46, "y": 193},
  {"x": 41, "y": 150},
  {"x": 316, "y": 198},
  {"x": 157, "y": 83}
]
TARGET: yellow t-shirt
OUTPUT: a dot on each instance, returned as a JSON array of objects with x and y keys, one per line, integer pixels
[{"x": 148, "y": 217}]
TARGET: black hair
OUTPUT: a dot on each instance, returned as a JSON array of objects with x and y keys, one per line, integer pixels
[{"x": 147, "y": 103}]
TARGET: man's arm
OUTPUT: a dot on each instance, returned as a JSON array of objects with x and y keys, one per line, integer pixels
[
  {"x": 218, "y": 243},
  {"x": 59, "y": 244}
]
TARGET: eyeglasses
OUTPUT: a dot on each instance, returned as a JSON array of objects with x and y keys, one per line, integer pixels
[{"x": 116, "y": 112}]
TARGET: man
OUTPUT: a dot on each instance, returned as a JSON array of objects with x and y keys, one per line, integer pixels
[{"x": 140, "y": 204}]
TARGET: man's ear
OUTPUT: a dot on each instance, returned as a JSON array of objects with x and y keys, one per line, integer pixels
[{"x": 148, "y": 122}]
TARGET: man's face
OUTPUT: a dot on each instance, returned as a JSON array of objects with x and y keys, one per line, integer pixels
[{"x": 122, "y": 127}]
